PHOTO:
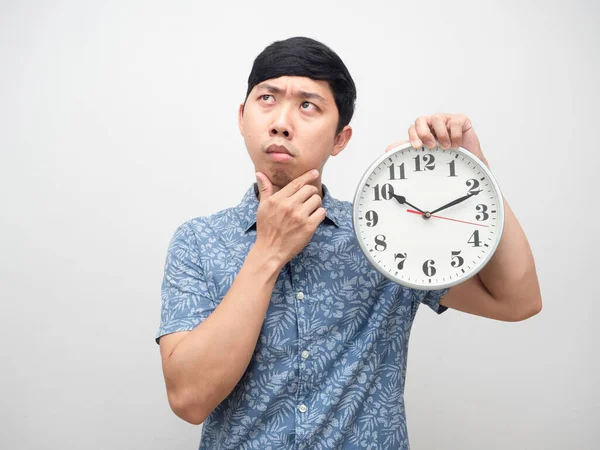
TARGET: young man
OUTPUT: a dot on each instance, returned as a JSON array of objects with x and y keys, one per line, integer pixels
[{"x": 276, "y": 332}]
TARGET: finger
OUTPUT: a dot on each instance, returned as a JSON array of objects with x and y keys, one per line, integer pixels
[
  {"x": 414, "y": 138},
  {"x": 265, "y": 188},
  {"x": 423, "y": 131},
  {"x": 296, "y": 184},
  {"x": 305, "y": 192},
  {"x": 456, "y": 133},
  {"x": 310, "y": 205},
  {"x": 395, "y": 144},
  {"x": 438, "y": 122},
  {"x": 317, "y": 217}
]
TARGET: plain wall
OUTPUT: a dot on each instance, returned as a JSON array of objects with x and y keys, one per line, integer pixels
[{"x": 118, "y": 122}]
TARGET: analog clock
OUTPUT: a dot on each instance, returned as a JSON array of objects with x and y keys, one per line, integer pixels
[{"x": 428, "y": 218}]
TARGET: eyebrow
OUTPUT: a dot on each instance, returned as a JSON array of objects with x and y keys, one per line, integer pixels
[{"x": 304, "y": 94}]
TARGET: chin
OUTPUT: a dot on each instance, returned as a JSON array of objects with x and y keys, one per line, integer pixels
[{"x": 280, "y": 177}]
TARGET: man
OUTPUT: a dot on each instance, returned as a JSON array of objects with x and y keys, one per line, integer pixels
[{"x": 276, "y": 332}]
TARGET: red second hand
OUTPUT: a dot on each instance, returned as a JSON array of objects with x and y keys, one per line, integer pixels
[{"x": 447, "y": 218}]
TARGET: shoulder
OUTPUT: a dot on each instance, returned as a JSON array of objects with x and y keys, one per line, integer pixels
[
  {"x": 342, "y": 206},
  {"x": 343, "y": 210},
  {"x": 202, "y": 228},
  {"x": 340, "y": 211}
]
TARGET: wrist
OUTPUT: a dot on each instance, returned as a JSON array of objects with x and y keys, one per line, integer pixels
[
  {"x": 482, "y": 158},
  {"x": 265, "y": 260}
]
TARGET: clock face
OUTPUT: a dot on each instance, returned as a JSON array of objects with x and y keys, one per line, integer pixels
[{"x": 428, "y": 218}]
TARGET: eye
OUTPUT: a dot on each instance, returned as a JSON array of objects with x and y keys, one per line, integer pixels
[
  {"x": 268, "y": 98},
  {"x": 308, "y": 106}
]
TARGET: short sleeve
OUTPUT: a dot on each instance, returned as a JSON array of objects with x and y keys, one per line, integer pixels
[
  {"x": 186, "y": 300},
  {"x": 432, "y": 299}
]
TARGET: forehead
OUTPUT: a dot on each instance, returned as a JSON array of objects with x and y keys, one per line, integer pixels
[{"x": 292, "y": 85}]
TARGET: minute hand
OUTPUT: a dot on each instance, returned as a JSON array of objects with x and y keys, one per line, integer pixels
[{"x": 456, "y": 202}]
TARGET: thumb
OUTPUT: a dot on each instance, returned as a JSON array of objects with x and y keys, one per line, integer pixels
[{"x": 264, "y": 186}]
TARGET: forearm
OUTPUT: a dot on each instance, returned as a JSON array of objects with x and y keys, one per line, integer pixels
[
  {"x": 208, "y": 363},
  {"x": 510, "y": 275}
]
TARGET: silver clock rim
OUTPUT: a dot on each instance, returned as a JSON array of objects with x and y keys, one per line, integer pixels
[{"x": 408, "y": 284}]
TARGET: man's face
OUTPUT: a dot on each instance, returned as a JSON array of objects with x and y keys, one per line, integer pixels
[{"x": 289, "y": 125}]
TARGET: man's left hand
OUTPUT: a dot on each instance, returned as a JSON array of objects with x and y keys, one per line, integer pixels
[{"x": 450, "y": 130}]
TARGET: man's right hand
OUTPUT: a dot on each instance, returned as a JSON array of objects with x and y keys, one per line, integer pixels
[
  {"x": 286, "y": 220},
  {"x": 204, "y": 365}
]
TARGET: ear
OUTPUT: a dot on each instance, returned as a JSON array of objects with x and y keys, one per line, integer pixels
[
  {"x": 341, "y": 140},
  {"x": 241, "y": 119}
]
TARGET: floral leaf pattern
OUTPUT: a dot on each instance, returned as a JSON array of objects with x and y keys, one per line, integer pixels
[{"x": 329, "y": 366}]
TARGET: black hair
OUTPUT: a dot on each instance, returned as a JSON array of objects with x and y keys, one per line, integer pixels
[{"x": 305, "y": 57}]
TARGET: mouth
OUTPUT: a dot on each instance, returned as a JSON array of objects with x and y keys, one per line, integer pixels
[
  {"x": 279, "y": 153},
  {"x": 278, "y": 149}
]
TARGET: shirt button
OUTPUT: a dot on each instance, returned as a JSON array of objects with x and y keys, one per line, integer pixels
[
  {"x": 300, "y": 295},
  {"x": 305, "y": 354},
  {"x": 302, "y": 408}
]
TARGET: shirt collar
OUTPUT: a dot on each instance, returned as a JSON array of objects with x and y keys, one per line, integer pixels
[{"x": 249, "y": 204}]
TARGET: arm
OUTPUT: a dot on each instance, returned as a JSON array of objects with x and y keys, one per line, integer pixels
[
  {"x": 507, "y": 287},
  {"x": 201, "y": 367}
]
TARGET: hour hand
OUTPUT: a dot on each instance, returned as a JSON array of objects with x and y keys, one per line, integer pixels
[{"x": 402, "y": 200}]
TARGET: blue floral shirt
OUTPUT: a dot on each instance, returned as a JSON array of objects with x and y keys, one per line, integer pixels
[{"x": 329, "y": 367}]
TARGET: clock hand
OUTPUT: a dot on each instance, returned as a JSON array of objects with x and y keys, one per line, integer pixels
[
  {"x": 448, "y": 218},
  {"x": 456, "y": 202},
  {"x": 402, "y": 200}
]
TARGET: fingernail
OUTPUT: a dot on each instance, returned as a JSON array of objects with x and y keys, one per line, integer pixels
[{"x": 315, "y": 172}]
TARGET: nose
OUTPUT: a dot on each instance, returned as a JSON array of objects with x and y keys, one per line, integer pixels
[{"x": 282, "y": 124}]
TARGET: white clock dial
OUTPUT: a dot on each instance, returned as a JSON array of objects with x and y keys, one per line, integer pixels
[{"x": 428, "y": 218}]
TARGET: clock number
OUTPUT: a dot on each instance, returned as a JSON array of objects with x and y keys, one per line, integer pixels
[
  {"x": 372, "y": 218},
  {"x": 474, "y": 239},
  {"x": 472, "y": 184},
  {"x": 393, "y": 172},
  {"x": 484, "y": 215},
  {"x": 428, "y": 268},
  {"x": 402, "y": 258},
  {"x": 457, "y": 261},
  {"x": 387, "y": 191},
  {"x": 380, "y": 244},
  {"x": 429, "y": 161},
  {"x": 452, "y": 169}
]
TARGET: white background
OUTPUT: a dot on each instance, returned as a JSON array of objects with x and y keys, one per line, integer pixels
[{"x": 118, "y": 123}]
